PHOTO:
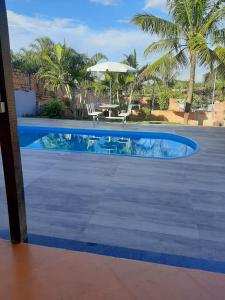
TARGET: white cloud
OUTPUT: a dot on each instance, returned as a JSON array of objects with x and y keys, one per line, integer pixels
[
  {"x": 112, "y": 42},
  {"x": 123, "y": 21},
  {"x": 160, "y": 4},
  {"x": 105, "y": 2}
]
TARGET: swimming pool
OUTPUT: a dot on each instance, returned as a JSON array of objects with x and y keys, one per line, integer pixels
[{"x": 126, "y": 143}]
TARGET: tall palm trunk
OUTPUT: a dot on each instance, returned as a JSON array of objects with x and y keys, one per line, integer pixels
[
  {"x": 73, "y": 106},
  {"x": 193, "y": 62},
  {"x": 214, "y": 75},
  {"x": 117, "y": 96},
  {"x": 68, "y": 91},
  {"x": 131, "y": 95},
  {"x": 153, "y": 95}
]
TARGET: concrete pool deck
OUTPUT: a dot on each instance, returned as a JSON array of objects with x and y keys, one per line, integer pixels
[{"x": 168, "y": 207}]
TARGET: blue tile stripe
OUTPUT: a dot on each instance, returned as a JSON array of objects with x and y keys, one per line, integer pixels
[{"x": 126, "y": 253}]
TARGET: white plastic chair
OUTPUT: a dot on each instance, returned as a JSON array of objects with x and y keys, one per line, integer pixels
[
  {"x": 124, "y": 115},
  {"x": 92, "y": 112}
]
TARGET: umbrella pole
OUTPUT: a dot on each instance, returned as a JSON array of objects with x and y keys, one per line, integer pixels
[{"x": 110, "y": 90}]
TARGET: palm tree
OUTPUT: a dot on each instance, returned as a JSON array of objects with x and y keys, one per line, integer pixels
[
  {"x": 130, "y": 80},
  {"x": 25, "y": 61},
  {"x": 165, "y": 72},
  {"x": 83, "y": 78},
  {"x": 131, "y": 59},
  {"x": 56, "y": 70},
  {"x": 30, "y": 60},
  {"x": 189, "y": 37},
  {"x": 64, "y": 71},
  {"x": 96, "y": 58},
  {"x": 42, "y": 46}
]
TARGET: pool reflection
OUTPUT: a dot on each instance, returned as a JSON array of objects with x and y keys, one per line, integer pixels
[{"x": 144, "y": 147}]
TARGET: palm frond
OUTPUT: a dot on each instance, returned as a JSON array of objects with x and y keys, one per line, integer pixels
[
  {"x": 206, "y": 55},
  {"x": 48, "y": 60},
  {"x": 219, "y": 66},
  {"x": 214, "y": 6},
  {"x": 162, "y": 45},
  {"x": 155, "y": 25},
  {"x": 130, "y": 78},
  {"x": 220, "y": 69},
  {"x": 166, "y": 66},
  {"x": 213, "y": 20},
  {"x": 144, "y": 75},
  {"x": 181, "y": 12},
  {"x": 59, "y": 49},
  {"x": 182, "y": 58},
  {"x": 131, "y": 59},
  {"x": 218, "y": 36},
  {"x": 97, "y": 57},
  {"x": 199, "y": 10}
]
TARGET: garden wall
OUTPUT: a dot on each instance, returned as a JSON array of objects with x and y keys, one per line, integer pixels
[
  {"x": 214, "y": 118},
  {"x": 25, "y": 103},
  {"x": 195, "y": 118},
  {"x": 25, "y": 94},
  {"x": 23, "y": 82},
  {"x": 175, "y": 106}
]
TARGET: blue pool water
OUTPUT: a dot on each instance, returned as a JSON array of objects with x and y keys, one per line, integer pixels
[{"x": 137, "y": 144}]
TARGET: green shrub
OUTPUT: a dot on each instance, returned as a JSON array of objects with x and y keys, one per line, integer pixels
[
  {"x": 145, "y": 111},
  {"x": 53, "y": 109},
  {"x": 163, "y": 98}
]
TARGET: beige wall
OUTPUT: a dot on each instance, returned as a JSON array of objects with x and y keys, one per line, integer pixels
[
  {"x": 173, "y": 105},
  {"x": 215, "y": 118},
  {"x": 195, "y": 118}
]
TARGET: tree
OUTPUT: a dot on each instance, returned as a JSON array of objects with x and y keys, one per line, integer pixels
[
  {"x": 42, "y": 46},
  {"x": 30, "y": 60},
  {"x": 189, "y": 37},
  {"x": 25, "y": 61},
  {"x": 56, "y": 70},
  {"x": 64, "y": 71},
  {"x": 131, "y": 59},
  {"x": 130, "y": 80},
  {"x": 163, "y": 77},
  {"x": 85, "y": 79},
  {"x": 165, "y": 71}
]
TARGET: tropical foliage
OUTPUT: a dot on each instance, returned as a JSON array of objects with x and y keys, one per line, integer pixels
[
  {"x": 193, "y": 34},
  {"x": 63, "y": 71},
  {"x": 53, "y": 109},
  {"x": 57, "y": 67}
]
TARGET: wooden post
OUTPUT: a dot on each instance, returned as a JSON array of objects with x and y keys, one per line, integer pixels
[{"x": 9, "y": 138}]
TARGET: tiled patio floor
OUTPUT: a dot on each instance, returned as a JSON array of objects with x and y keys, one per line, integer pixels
[
  {"x": 39, "y": 273},
  {"x": 166, "y": 207}
]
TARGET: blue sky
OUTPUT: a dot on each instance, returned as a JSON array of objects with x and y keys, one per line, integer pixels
[
  {"x": 89, "y": 26},
  {"x": 98, "y": 14}
]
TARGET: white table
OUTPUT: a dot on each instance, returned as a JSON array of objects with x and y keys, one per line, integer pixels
[{"x": 109, "y": 107}]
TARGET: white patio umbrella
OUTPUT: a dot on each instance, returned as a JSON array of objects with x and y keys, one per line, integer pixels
[{"x": 111, "y": 67}]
